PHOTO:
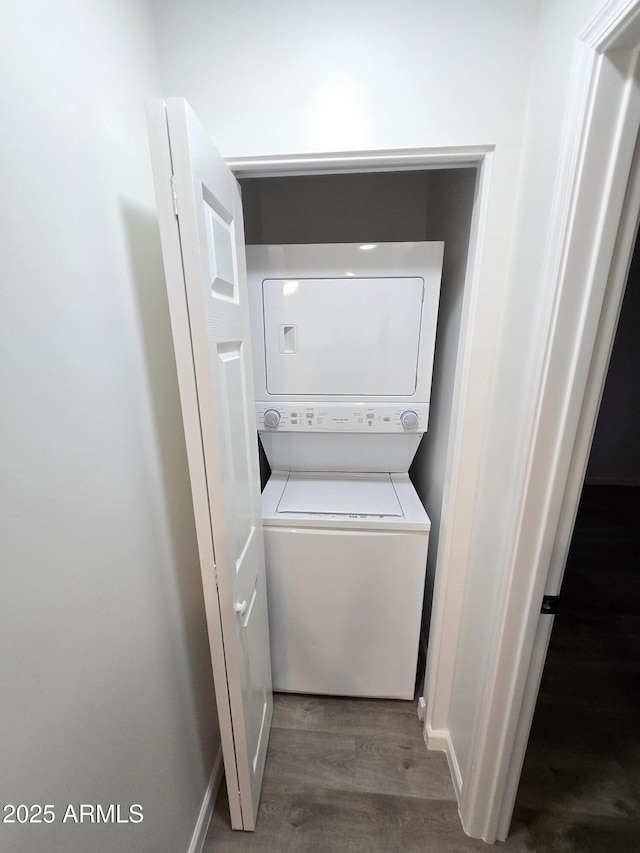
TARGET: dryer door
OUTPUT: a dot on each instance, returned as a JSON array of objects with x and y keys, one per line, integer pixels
[{"x": 342, "y": 336}]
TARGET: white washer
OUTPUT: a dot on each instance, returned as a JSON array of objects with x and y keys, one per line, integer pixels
[
  {"x": 346, "y": 556},
  {"x": 343, "y": 342}
]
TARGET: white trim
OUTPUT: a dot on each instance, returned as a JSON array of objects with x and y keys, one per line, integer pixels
[
  {"x": 440, "y": 741},
  {"x": 614, "y": 27},
  {"x": 358, "y": 161},
  {"x": 593, "y": 175},
  {"x": 459, "y": 492},
  {"x": 521, "y": 738},
  {"x": 208, "y": 802},
  {"x": 596, "y": 380}
]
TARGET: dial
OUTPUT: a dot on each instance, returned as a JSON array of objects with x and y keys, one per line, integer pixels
[
  {"x": 271, "y": 418},
  {"x": 409, "y": 419}
]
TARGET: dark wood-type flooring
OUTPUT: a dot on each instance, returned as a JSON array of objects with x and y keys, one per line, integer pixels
[
  {"x": 351, "y": 776},
  {"x": 580, "y": 789}
]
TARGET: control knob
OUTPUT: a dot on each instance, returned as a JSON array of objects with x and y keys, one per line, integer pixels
[
  {"x": 271, "y": 418},
  {"x": 409, "y": 419}
]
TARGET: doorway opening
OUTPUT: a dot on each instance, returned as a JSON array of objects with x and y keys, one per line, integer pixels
[{"x": 581, "y": 774}]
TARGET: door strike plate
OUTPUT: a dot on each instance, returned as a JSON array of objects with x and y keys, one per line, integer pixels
[{"x": 550, "y": 604}]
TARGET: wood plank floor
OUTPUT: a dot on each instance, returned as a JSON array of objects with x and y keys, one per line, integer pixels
[
  {"x": 351, "y": 776},
  {"x": 580, "y": 787}
]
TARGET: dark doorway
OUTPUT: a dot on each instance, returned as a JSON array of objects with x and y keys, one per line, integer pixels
[{"x": 580, "y": 786}]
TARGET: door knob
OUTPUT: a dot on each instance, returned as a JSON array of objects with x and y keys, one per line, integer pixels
[{"x": 241, "y": 607}]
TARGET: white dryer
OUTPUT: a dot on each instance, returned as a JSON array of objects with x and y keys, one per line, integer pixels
[{"x": 343, "y": 353}]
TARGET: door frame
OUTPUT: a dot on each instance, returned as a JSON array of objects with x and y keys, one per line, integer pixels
[
  {"x": 462, "y": 471},
  {"x": 574, "y": 333},
  {"x": 346, "y": 162},
  {"x": 605, "y": 337}
]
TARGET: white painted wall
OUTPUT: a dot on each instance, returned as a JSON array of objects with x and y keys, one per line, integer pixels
[
  {"x": 107, "y": 692},
  {"x": 284, "y": 76}
]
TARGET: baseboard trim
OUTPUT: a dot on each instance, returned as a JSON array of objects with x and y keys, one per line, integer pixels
[
  {"x": 440, "y": 739},
  {"x": 208, "y": 802}
]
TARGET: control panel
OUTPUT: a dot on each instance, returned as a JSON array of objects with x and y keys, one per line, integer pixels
[{"x": 341, "y": 417}]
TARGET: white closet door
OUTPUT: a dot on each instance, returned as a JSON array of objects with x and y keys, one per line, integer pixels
[{"x": 202, "y": 235}]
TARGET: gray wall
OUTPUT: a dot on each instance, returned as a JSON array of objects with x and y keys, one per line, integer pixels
[
  {"x": 380, "y": 207},
  {"x": 615, "y": 452},
  {"x": 449, "y": 208},
  {"x": 107, "y": 692}
]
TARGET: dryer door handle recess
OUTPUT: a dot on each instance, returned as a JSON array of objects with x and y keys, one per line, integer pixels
[{"x": 288, "y": 339}]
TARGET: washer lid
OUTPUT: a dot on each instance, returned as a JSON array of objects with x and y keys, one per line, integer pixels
[{"x": 344, "y": 494}]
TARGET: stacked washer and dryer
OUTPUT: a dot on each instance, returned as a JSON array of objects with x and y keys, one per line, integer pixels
[{"x": 343, "y": 343}]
